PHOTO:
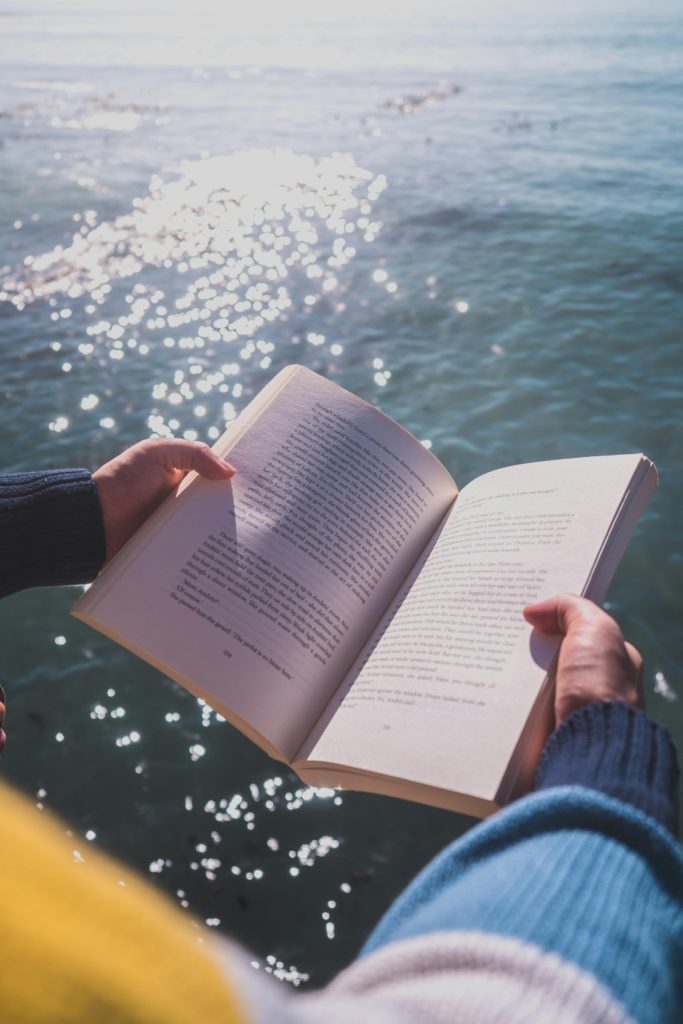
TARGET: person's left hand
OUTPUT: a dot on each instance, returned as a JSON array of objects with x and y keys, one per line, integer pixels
[{"x": 134, "y": 484}]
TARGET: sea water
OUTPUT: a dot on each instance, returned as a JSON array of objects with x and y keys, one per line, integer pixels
[{"x": 471, "y": 219}]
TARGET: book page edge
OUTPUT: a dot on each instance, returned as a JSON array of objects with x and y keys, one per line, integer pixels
[
  {"x": 324, "y": 774},
  {"x": 517, "y": 778},
  {"x": 239, "y": 723}
]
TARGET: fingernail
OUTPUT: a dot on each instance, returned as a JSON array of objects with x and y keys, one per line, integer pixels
[{"x": 229, "y": 466}]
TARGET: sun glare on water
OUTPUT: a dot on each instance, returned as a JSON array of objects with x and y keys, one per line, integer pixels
[{"x": 213, "y": 257}]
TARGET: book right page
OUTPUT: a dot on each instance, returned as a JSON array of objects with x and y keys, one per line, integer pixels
[{"x": 441, "y": 694}]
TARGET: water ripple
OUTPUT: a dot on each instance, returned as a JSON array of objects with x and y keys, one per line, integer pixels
[{"x": 235, "y": 237}]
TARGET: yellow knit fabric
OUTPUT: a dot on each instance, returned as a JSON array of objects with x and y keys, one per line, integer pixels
[{"x": 78, "y": 946}]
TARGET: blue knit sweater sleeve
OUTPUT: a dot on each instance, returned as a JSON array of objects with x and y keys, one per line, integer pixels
[
  {"x": 51, "y": 529},
  {"x": 586, "y": 870},
  {"x": 612, "y": 748}
]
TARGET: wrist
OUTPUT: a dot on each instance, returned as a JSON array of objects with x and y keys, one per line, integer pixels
[
  {"x": 618, "y": 750},
  {"x": 51, "y": 529}
]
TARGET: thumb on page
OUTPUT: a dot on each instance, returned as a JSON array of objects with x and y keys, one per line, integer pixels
[
  {"x": 558, "y": 614},
  {"x": 595, "y": 662},
  {"x": 193, "y": 455}
]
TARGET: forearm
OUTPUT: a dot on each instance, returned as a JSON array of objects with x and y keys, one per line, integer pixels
[
  {"x": 619, "y": 751},
  {"x": 51, "y": 530},
  {"x": 583, "y": 870}
]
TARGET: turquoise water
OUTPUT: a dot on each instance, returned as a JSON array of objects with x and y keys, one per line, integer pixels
[{"x": 474, "y": 222}]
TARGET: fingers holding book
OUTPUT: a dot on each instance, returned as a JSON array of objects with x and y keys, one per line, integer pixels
[
  {"x": 133, "y": 484},
  {"x": 595, "y": 663}
]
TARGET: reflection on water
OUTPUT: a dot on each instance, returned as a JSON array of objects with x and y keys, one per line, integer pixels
[{"x": 234, "y": 236}]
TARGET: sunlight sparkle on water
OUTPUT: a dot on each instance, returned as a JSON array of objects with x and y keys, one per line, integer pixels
[
  {"x": 196, "y": 288},
  {"x": 244, "y": 241},
  {"x": 663, "y": 688}
]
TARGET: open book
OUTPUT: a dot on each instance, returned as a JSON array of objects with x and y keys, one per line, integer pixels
[{"x": 345, "y": 607}]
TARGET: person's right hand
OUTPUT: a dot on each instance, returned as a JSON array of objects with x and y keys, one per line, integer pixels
[{"x": 595, "y": 662}]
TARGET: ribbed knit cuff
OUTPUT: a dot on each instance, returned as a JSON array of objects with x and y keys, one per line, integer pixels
[
  {"x": 51, "y": 529},
  {"x": 619, "y": 751}
]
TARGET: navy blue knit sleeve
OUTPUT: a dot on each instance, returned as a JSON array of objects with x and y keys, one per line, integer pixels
[
  {"x": 611, "y": 747},
  {"x": 51, "y": 529}
]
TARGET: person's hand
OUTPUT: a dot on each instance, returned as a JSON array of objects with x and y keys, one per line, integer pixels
[
  {"x": 134, "y": 484},
  {"x": 595, "y": 662}
]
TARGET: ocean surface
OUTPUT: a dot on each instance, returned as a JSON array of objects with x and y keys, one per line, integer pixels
[{"x": 472, "y": 220}]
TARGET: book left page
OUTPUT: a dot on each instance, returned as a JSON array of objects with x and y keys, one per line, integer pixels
[{"x": 257, "y": 593}]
